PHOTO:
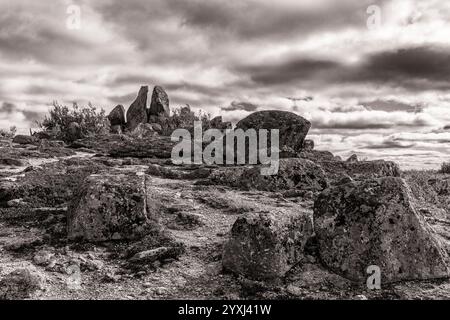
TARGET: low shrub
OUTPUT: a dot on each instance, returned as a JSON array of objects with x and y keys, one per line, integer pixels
[{"x": 90, "y": 120}]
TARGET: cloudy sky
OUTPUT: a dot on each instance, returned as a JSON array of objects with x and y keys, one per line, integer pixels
[{"x": 371, "y": 75}]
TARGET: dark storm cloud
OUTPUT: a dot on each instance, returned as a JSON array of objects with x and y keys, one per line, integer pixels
[
  {"x": 242, "y": 20},
  {"x": 154, "y": 28},
  {"x": 35, "y": 31},
  {"x": 431, "y": 63},
  {"x": 239, "y": 105},
  {"x": 392, "y": 105},
  {"x": 391, "y": 144},
  {"x": 286, "y": 72},
  {"x": 24, "y": 37},
  {"x": 416, "y": 68},
  {"x": 367, "y": 120},
  {"x": 9, "y": 109},
  {"x": 262, "y": 19},
  {"x": 352, "y": 125}
]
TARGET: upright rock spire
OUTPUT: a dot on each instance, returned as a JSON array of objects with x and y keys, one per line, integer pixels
[
  {"x": 137, "y": 112},
  {"x": 160, "y": 102}
]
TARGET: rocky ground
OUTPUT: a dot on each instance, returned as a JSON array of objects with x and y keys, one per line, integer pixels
[{"x": 207, "y": 232}]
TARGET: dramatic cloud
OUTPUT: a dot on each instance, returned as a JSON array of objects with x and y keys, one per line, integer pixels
[
  {"x": 235, "y": 105},
  {"x": 299, "y": 70},
  {"x": 11, "y": 115},
  {"x": 416, "y": 68},
  {"x": 363, "y": 120},
  {"x": 316, "y": 58},
  {"x": 392, "y": 105},
  {"x": 390, "y": 143}
]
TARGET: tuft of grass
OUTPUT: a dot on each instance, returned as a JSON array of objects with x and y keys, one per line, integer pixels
[{"x": 91, "y": 120}]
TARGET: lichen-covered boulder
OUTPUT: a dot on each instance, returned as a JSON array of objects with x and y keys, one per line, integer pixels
[
  {"x": 160, "y": 103},
  {"x": 360, "y": 170},
  {"x": 375, "y": 222},
  {"x": 292, "y": 128},
  {"x": 293, "y": 173},
  {"x": 113, "y": 207},
  {"x": 117, "y": 116},
  {"x": 266, "y": 245},
  {"x": 137, "y": 112},
  {"x": 20, "y": 284}
]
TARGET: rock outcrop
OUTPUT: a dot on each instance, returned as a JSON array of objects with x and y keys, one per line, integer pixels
[
  {"x": 218, "y": 123},
  {"x": 360, "y": 170},
  {"x": 292, "y": 128},
  {"x": 24, "y": 139},
  {"x": 117, "y": 116},
  {"x": 318, "y": 156},
  {"x": 375, "y": 222},
  {"x": 264, "y": 246},
  {"x": 153, "y": 146},
  {"x": 159, "y": 103},
  {"x": 112, "y": 207},
  {"x": 137, "y": 112},
  {"x": 353, "y": 158},
  {"x": 293, "y": 173}
]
